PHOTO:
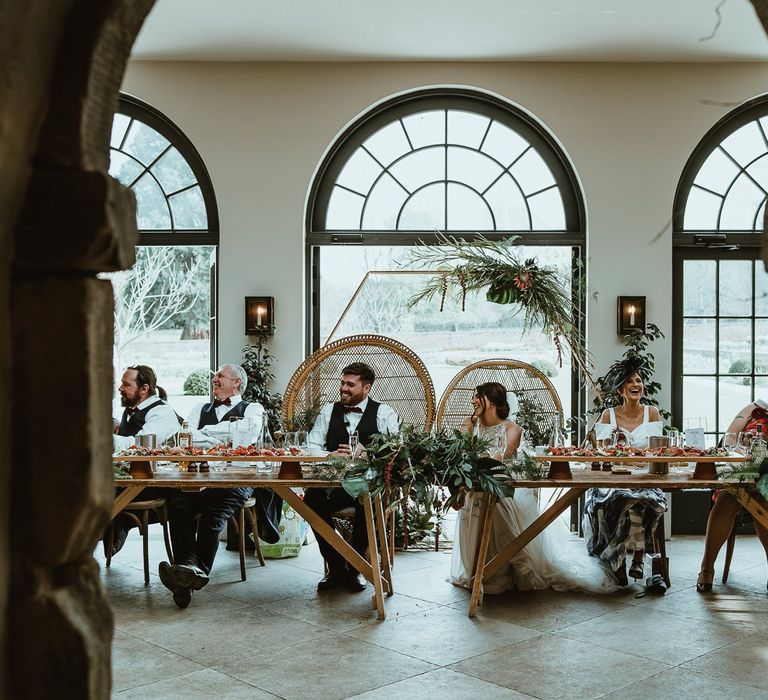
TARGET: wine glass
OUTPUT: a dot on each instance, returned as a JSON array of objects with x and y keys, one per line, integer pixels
[
  {"x": 730, "y": 442},
  {"x": 354, "y": 441},
  {"x": 744, "y": 442}
]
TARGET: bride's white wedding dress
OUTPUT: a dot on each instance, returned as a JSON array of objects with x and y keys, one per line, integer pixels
[{"x": 549, "y": 561}]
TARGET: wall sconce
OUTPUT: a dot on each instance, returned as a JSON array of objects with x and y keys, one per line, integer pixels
[
  {"x": 259, "y": 315},
  {"x": 631, "y": 315}
]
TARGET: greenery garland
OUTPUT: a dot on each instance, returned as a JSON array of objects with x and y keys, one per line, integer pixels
[{"x": 469, "y": 266}]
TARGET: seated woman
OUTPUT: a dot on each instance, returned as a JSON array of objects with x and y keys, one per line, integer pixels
[
  {"x": 726, "y": 508},
  {"x": 548, "y": 561},
  {"x": 620, "y": 520}
]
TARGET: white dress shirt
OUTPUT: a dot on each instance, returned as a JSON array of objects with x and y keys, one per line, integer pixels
[
  {"x": 161, "y": 421},
  {"x": 217, "y": 434},
  {"x": 387, "y": 421}
]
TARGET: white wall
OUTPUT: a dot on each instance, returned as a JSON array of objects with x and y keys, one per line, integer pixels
[{"x": 261, "y": 128}]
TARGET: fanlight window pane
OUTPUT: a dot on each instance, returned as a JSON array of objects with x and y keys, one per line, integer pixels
[
  {"x": 532, "y": 173},
  {"x": 547, "y": 211},
  {"x": 425, "y": 209},
  {"x": 759, "y": 172},
  {"x": 388, "y": 143},
  {"x": 124, "y": 168},
  {"x": 173, "y": 172},
  {"x": 745, "y": 144},
  {"x": 359, "y": 172},
  {"x": 189, "y": 209},
  {"x": 735, "y": 288},
  {"x": 473, "y": 168},
  {"x": 717, "y": 173},
  {"x": 151, "y": 207},
  {"x": 503, "y": 144},
  {"x": 466, "y": 129},
  {"x": 467, "y": 210},
  {"x": 699, "y": 346},
  {"x": 701, "y": 210},
  {"x": 699, "y": 287},
  {"x": 119, "y": 126},
  {"x": 383, "y": 205},
  {"x": 509, "y": 206},
  {"x": 144, "y": 143},
  {"x": 344, "y": 210},
  {"x": 740, "y": 205},
  {"x": 420, "y": 168},
  {"x": 426, "y": 128}
]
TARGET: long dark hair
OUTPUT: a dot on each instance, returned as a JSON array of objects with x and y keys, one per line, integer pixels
[{"x": 495, "y": 394}]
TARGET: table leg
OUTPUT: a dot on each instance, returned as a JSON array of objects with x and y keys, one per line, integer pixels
[
  {"x": 319, "y": 525},
  {"x": 386, "y": 562},
  {"x": 755, "y": 504},
  {"x": 535, "y": 528},
  {"x": 124, "y": 498},
  {"x": 489, "y": 505},
  {"x": 373, "y": 553}
]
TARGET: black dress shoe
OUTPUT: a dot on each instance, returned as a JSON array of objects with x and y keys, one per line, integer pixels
[
  {"x": 182, "y": 595},
  {"x": 356, "y": 582},
  {"x": 333, "y": 579},
  {"x": 190, "y": 576}
]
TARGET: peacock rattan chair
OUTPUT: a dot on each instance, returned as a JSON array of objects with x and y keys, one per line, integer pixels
[
  {"x": 519, "y": 377},
  {"x": 402, "y": 380}
]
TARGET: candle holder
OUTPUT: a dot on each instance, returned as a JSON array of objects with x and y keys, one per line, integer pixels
[
  {"x": 259, "y": 315},
  {"x": 631, "y": 315}
]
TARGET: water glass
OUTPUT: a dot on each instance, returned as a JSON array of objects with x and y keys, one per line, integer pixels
[
  {"x": 289, "y": 440},
  {"x": 675, "y": 438},
  {"x": 301, "y": 439},
  {"x": 744, "y": 444}
]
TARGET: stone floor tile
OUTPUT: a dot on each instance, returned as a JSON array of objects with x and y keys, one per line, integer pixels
[
  {"x": 137, "y": 662},
  {"x": 743, "y": 661},
  {"x": 442, "y": 635},
  {"x": 272, "y": 582},
  {"x": 441, "y": 683},
  {"x": 338, "y": 668},
  {"x": 198, "y": 684},
  {"x": 230, "y": 635},
  {"x": 663, "y": 637},
  {"x": 681, "y": 684},
  {"x": 429, "y": 584},
  {"x": 553, "y": 667}
]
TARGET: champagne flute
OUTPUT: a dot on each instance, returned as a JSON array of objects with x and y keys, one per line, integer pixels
[
  {"x": 354, "y": 441},
  {"x": 499, "y": 445}
]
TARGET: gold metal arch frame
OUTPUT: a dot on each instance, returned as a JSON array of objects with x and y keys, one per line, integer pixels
[
  {"x": 519, "y": 377},
  {"x": 402, "y": 380}
]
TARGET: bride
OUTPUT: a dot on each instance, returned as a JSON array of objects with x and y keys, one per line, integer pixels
[{"x": 546, "y": 562}]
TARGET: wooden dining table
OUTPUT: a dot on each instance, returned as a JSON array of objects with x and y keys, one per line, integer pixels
[
  {"x": 639, "y": 477},
  {"x": 238, "y": 472}
]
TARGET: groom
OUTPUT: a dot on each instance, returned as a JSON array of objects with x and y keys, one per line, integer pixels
[{"x": 353, "y": 412}]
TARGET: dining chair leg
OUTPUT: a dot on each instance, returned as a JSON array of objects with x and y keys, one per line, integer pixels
[
  {"x": 109, "y": 537},
  {"x": 660, "y": 546},
  {"x": 729, "y": 547},
  {"x": 254, "y": 523},
  {"x": 145, "y": 541},
  {"x": 241, "y": 540},
  {"x": 391, "y": 540}
]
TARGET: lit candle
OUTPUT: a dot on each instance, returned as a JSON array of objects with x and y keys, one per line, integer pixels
[
  {"x": 260, "y": 313},
  {"x": 631, "y": 315}
]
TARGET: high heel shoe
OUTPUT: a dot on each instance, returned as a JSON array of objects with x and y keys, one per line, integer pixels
[
  {"x": 704, "y": 582},
  {"x": 636, "y": 569}
]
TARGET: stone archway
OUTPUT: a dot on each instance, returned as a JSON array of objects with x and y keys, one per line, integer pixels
[{"x": 63, "y": 220}]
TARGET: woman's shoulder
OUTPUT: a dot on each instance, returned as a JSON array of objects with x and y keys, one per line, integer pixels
[
  {"x": 653, "y": 413},
  {"x": 605, "y": 416}
]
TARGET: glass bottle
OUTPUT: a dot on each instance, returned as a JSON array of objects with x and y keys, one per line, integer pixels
[
  {"x": 185, "y": 436},
  {"x": 758, "y": 449}
]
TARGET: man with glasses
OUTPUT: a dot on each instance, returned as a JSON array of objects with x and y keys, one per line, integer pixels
[{"x": 198, "y": 517}]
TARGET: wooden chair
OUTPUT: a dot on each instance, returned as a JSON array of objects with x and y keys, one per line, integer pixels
[
  {"x": 139, "y": 511},
  {"x": 402, "y": 382},
  {"x": 456, "y": 402},
  {"x": 247, "y": 510}
]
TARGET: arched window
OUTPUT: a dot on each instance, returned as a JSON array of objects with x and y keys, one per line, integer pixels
[
  {"x": 457, "y": 161},
  {"x": 720, "y": 286},
  {"x": 165, "y": 304}
]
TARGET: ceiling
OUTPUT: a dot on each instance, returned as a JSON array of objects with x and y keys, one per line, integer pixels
[{"x": 446, "y": 30}]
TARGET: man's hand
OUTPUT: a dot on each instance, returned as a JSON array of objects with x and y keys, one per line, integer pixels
[{"x": 342, "y": 451}]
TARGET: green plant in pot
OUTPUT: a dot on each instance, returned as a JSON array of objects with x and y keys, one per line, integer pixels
[{"x": 257, "y": 363}]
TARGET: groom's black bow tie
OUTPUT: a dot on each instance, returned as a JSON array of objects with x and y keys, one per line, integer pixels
[{"x": 352, "y": 409}]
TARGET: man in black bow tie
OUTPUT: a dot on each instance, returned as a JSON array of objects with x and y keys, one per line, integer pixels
[
  {"x": 353, "y": 413},
  {"x": 196, "y": 541}
]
